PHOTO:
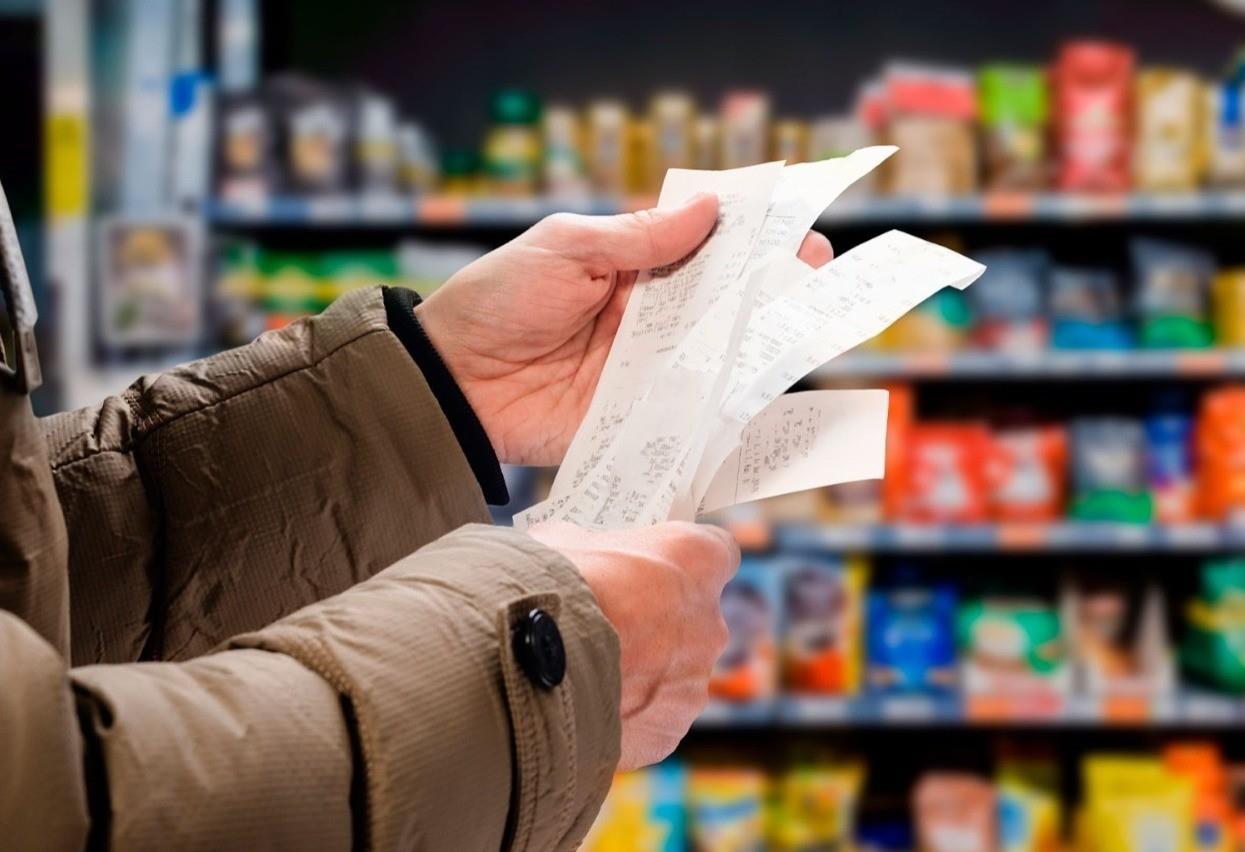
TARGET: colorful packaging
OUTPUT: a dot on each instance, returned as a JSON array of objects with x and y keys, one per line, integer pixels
[
  {"x": 1028, "y": 473},
  {"x": 748, "y": 668},
  {"x": 930, "y": 115},
  {"x": 1104, "y": 617},
  {"x": 900, "y": 421},
  {"x": 642, "y": 175},
  {"x": 814, "y": 807},
  {"x": 1108, "y": 471},
  {"x": 1169, "y": 464},
  {"x": 1008, "y": 301},
  {"x": 1170, "y": 152},
  {"x": 564, "y": 175},
  {"x": 1213, "y": 649},
  {"x": 911, "y": 638},
  {"x": 1029, "y": 812},
  {"x": 1010, "y": 645},
  {"x": 745, "y": 129},
  {"x": 246, "y": 166},
  {"x": 1131, "y": 803},
  {"x": 315, "y": 126},
  {"x": 460, "y": 172},
  {"x": 727, "y": 810},
  {"x": 707, "y": 142},
  {"x": 1220, "y": 454},
  {"x": 1173, "y": 294},
  {"x": 947, "y": 474},
  {"x": 606, "y": 149},
  {"x": 512, "y": 149},
  {"x": 1087, "y": 311},
  {"x": 939, "y": 324},
  {"x": 954, "y": 812},
  {"x": 1014, "y": 111},
  {"x": 823, "y": 632},
  {"x": 1226, "y": 131},
  {"x": 1229, "y": 299},
  {"x": 1091, "y": 86},
  {"x": 644, "y": 812},
  {"x": 418, "y": 170},
  {"x": 1202, "y": 764}
]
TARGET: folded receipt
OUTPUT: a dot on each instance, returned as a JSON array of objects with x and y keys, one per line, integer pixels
[{"x": 690, "y": 414}]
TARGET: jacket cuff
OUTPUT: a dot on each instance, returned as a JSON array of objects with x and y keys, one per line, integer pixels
[
  {"x": 400, "y": 309},
  {"x": 452, "y": 734}
]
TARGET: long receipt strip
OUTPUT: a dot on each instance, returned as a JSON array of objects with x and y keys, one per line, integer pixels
[{"x": 690, "y": 414}]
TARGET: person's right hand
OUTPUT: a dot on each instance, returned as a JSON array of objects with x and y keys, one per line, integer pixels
[{"x": 661, "y": 589}]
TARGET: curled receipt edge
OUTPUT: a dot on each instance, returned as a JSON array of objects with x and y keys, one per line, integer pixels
[{"x": 690, "y": 414}]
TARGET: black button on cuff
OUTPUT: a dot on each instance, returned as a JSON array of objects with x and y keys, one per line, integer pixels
[{"x": 538, "y": 648}]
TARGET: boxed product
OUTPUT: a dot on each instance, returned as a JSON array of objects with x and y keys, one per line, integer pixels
[
  {"x": 1220, "y": 454},
  {"x": 1229, "y": 300},
  {"x": 726, "y": 809},
  {"x": 1213, "y": 649},
  {"x": 1169, "y": 152},
  {"x": 247, "y": 167},
  {"x": 748, "y": 668},
  {"x": 1226, "y": 126},
  {"x": 1109, "y": 471},
  {"x": 911, "y": 637},
  {"x": 954, "y": 812},
  {"x": 814, "y": 807},
  {"x": 1029, "y": 814},
  {"x": 1133, "y": 803},
  {"x": 789, "y": 141},
  {"x": 1008, "y": 301},
  {"x": 1091, "y": 85},
  {"x": 1173, "y": 286},
  {"x": 644, "y": 812},
  {"x": 1118, "y": 634},
  {"x": 1202, "y": 765},
  {"x": 1170, "y": 471},
  {"x": 315, "y": 124},
  {"x": 642, "y": 175},
  {"x": 930, "y": 115},
  {"x": 745, "y": 129},
  {"x": 606, "y": 150},
  {"x": 947, "y": 474},
  {"x": 1011, "y": 645},
  {"x": 823, "y": 632},
  {"x": 1028, "y": 473},
  {"x": 564, "y": 175},
  {"x": 1087, "y": 310},
  {"x": 673, "y": 115},
  {"x": 1014, "y": 112}
]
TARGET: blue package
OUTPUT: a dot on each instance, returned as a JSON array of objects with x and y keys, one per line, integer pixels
[
  {"x": 911, "y": 639},
  {"x": 1087, "y": 310}
]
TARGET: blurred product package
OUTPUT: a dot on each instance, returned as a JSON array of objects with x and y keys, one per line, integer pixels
[
  {"x": 1092, "y": 95},
  {"x": 1014, "y": 112},
  {"x": 930, "y": 115},
  {"x": 512, "y": 149}
]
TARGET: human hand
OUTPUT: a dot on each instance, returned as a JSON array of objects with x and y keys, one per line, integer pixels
[
  {"x": 525, "y": 330},
  {"x": 661, "y": 588}
]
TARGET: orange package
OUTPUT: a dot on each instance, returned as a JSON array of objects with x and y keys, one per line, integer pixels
[
  {"x": 1028, "y": 468},
  {"x": 1220, "y": 452},
  {"x": 899, "y": 421},
  {"x": 947, "y": 473}
]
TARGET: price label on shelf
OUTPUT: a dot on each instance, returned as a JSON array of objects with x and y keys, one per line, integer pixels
[{"x": 908, "y": 708}]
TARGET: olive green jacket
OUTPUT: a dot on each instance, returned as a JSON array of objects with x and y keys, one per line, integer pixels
[{"x": 285, "y": 628}]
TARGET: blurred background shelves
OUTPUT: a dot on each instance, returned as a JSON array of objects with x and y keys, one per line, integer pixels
[{"x": 1068, "y": 365}]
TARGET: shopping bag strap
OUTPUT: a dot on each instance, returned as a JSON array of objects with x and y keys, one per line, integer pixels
[{"x": 23, "y": 374}]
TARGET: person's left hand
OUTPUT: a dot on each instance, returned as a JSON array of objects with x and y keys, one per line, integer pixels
[{"x": 525, "y": 330}]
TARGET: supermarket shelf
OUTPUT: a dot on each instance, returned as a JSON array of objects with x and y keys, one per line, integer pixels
[
  {"x": 1188, "y": 708},
  {"x": 447, "y": 211},
  {"x": 1195, "y": 363},
  {"x": 1061, "y": 536}
]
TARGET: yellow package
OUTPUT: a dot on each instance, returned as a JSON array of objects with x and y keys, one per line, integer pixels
[
  {"x": 606, "y": 150},
  {"x": 727, "y": 810},
  {"x": 1133, "y": 803},
  {"x": 1170, "y": 151},
  {"x": 815, "y": 806},
  {"x": 644, "y": 812},
  {"x": 1229, "y": 301}
]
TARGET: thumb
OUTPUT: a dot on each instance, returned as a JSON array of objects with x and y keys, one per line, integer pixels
[{"x": 641, "y": 240}]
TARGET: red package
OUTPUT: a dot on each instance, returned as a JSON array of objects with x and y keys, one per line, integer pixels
[
  {"x": 901, "y": 412},
  {"x": 1092, "y": 92},
  {"x": 1220, "y": 454},
  {"x": 947, "y": 473},
  {"x": 1028, "y": 469}
]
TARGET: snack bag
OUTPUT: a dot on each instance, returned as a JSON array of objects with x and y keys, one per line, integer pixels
[
  {"x": 1132, "y": 804},
  {"x": 1202, "y": 764},
  {"x": 955, "y": 812},
  {"x": 1028, "y": 473},
  {"x": 1014, "y": 110},
  {"x": 1170, "y": 151},
  {"x": 1087, "y": 311},
  {"x": 1213, "y": 649},
  {"x": 814, "y": 807},
  {"x": 748, "y": 668},
  {"x": 1169, "y": 465},
  {"x": 823, "y": 635},
  {"x": 947, "y": 473},
  {"x": 644, "y": 812},
  {"x": 1010, "y": 644},
  {"x": 1008, "y": 301},
  {"x": 911, "y": 638},
  {"x": 1108, "y": 471},
  {"x": 726, "y": 810},
  {"x": 1173, "y": 294},
  {"x": 1092, "y": 94},
  {"x": 1220, "y": 454}
]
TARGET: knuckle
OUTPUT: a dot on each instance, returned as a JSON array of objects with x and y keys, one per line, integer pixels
[{"x": 557, "y": 226}]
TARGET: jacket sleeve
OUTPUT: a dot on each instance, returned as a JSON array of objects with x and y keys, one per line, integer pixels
[
  {"x": 391, "y": 716},
  {"x": 226, "y": 493}
]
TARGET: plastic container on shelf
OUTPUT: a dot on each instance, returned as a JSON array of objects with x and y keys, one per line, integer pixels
[{"x": 512, "y": 148}]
